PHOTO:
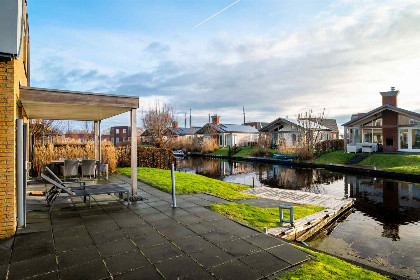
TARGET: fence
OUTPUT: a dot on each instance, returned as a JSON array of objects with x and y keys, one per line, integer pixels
[
  {"x": 146, "y": 157},
  {"x": 49, "y": 152}
]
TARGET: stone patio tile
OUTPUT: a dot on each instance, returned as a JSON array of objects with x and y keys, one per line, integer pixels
[
  {"x": 143, "y": 212},
  {"x": 3, "y": 271},
  {"x": 67, "y": 222},
  {"x": 89, "y": 271},
  {"x": 126, "y": 262},
  {"x": 32, "y": 267},
  {"x": 91, "y": 220},
  {"x": 164, "y": 223},
  {"x": 202, "y": 275},
  {"x": 145, "y": 273},
  {"x": 210, "y": 216},
  {"x": 149, "y": 240},
  {"x": 264, "y": 263},
  {"x": 178, "y": 267},
  {"x": 70, "y": 232},
  {"x": 188, "y": 219},
  {"x": 101, "y": 226},
  {"x": 108, "y": 236},
  {"x": 175, "y": 212},
  {"x": 155, "y": 217},
  {"x": 202, "y": 227},
  {"x": 263, "y": 241},
  {"x": 35, "y": 251},
  {"x": 48, "y": 276},
  {"x": 235, "y": 270},
  {"x": 195, "y": 209},
  {"x": 69, "y": 243},
  {"x": 241, "y": 231},
  {"x": 130, "y": 222},
  {"x": 192, "y": 243},
  {"x": 136, "y": 231},
  {"x": 161, "y": 252},
  {"x": 218, "y": 236},
  {"x": 238, "y": 248},
  {"x": 211, "y": 256},
  {"x": 79, "y": 256},
  {"x": 177, "y": 233},
  {"x": 290, "y": 254},
  {"x": 115, "y": 248}
]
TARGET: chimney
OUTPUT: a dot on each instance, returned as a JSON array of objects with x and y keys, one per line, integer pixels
[
  {"x": 215, "y": 119},
  {"x": 175, "y": 124},
  {"x": 390, "y": 97}
]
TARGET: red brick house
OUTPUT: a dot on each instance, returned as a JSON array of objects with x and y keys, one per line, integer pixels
[{"x": 393, "y": 128}]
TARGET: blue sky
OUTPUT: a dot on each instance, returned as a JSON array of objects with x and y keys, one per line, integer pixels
[{"x": 276, "y": 58}]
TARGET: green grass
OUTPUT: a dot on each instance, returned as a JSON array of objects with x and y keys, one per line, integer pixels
[
  {"x": 327, "y": 267},
  {"x": 221, "y": 152},
  {"x": 186, "y": 183},
  {"x": 261, "y": 217},
  {"x": 395, "y": 163},
  {"x": 336, "y": 157}
]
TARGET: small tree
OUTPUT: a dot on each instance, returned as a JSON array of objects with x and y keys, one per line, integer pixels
[
  {"x": 88, "y": 130},
  {"x": 44, "y": 128},
  {"x": 156, "y": 121},
  {"x": 310, "y": 130}
]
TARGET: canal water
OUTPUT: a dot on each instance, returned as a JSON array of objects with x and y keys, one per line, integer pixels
[{"x": 382, "y": 231}]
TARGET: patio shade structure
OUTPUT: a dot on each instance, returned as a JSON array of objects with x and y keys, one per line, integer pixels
[{"x": 40, "y": 103}]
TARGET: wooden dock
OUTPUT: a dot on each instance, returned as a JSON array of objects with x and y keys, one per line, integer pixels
[{"x": 305, "y": 227}]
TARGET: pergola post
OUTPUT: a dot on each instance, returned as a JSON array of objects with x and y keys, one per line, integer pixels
[
  {"x": 133, "y": 122},
  {"x": 95, "y": 138},
  {"x": 99, "y": 150}
]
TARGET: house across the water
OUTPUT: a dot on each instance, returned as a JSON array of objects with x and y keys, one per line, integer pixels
[
  {"x": 229, "y": 135},
  {"x": 391, "y": 128},
  {"x": 288, "y": 132}
]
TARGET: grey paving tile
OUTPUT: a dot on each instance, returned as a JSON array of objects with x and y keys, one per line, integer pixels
[
  {"x": 161, "y": 252},
  {"x": 34, "y": 251},
  {"x": 90, "y": 271},
  {"x": 71, "y": 232},
  {"x": 32, "y": 267},
  {"x": 210, "y": 216},
  {"x": 149, "y": 240},
  {"x": 164, "y": 223},
  {"x": 126, "y": 262},
  {"x": 48, "y": 276},
  {"x": 177, "y": 233},
  {"x": 142, "y": 230},
  {"x": 265, "y": 263},
  {"x": 188, "y": 219},
  {"x": 69, "y": 243},
  {"x": 101, "y": 226},
  {"x": 289, "y": 254},
  {"x": 202, "y": 275},
  {"x": 108, "y": 236},
  {"x": 235, "y": 270},
  {"x": 145, "y": 273},
  {"x": 79, "y": 256},
  {"x": 3, "y": 271},
  {"x": 211, "y": 256},
  {"x": 202, "y": 227},
  {"x": 178, "y": 267},
  {"x": 155, "y": 217},
  {"x": 263, "y": 241},
  {"x": 192, "y": 243},
  {"x": 116, "y": 247},
  {"x": 238, "y": 248},
  {"x": 218, "y": 236}
]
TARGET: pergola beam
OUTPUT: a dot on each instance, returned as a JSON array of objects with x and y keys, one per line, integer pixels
[{"x": 133, "y": 118}]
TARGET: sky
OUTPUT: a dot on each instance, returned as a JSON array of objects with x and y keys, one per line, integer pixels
[{"x": 276, "y": 58}]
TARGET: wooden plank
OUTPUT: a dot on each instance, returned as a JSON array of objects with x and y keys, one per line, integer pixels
[{"x": 133, "y": 116}]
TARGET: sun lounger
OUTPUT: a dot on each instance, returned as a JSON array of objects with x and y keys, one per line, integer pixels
[{"x": 86, "y": 191}]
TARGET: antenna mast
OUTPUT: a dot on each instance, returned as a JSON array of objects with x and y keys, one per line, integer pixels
[
  {"x": 190, "y": 118},
  {"x": 243, "y": 109}
]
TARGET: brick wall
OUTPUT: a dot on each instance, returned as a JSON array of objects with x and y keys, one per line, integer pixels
[
  {"x": 390, "y": 130},
  {"x": 13, "y": 73}
]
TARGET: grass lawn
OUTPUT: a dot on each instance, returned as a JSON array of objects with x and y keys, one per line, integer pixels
[
  {"x": 395, "y": 163},
  {"x": 221, "y": 152},
  {"x": 327, "y": 267},
  {"x": 336, "y": 157},
  {"x": 261, "y": 217},
  {"x": 186, "y": 183}
]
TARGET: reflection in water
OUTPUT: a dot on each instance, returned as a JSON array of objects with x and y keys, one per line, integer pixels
[{"x": 384, "y": 225}]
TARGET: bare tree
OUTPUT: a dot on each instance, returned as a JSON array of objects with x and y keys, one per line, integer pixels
[
  {"x": 41, "y": 129},
  {"x": 310, "y": 130},
  {"x": 88, "y": 130},
  {"x": 156, "y": 121}
]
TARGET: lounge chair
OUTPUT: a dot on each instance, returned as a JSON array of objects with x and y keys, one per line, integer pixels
[{"x": 85, "y": 192}]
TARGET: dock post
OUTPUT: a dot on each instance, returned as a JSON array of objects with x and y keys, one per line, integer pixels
[{"x": 173, "y": 186}]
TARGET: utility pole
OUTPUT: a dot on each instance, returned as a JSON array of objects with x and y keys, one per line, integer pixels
[
  {"x": 185, "y": 118},
  {"x": 190, "y": 118},
  {"x": 209, "y": 117},
  {"x": 243, "y": 109}
]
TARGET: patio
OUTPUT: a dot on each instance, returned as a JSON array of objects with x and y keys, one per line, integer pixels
[{"x": 145, "y": 240}]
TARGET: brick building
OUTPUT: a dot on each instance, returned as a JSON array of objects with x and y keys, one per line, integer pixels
[
  {"x": 14, "y": 72},
  {"x": 394, "y": 129},
  {"x": 119, "y": 134}
]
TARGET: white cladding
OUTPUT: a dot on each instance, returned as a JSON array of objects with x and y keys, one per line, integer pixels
[{"x": 11, "y": 23}]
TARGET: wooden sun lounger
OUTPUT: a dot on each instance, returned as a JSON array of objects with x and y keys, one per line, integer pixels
[{"x": 59, "y": 188}]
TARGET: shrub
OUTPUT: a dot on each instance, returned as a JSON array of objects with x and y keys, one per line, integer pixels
[{"x": 146, "y": 157}]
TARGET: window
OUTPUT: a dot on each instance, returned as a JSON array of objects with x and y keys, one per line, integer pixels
[
  {"x": 367, "y": 136},
  {"x": 415, "y": 139},
  {"x": 117, "y": 140},
  {"x": 294, "y": 139},
  {"x": 377, "y": 136},
  {"x": 404, "y": 139},
  {"x": 124, "y": 130},
  {"x": 117, "y": 131},
  {"x": 221, "y": 140}
]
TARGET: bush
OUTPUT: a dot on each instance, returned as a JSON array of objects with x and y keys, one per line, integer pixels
[
  {"x": 327, "y": 146},
  {"x": 146, "y": 157}
]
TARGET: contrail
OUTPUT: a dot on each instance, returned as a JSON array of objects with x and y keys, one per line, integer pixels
[{"x": 221, "y": 11}]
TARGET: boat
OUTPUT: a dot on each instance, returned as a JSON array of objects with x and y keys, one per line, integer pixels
[
  {"x": 180, "y": 153},
  {"x": 283, "y": 156}
]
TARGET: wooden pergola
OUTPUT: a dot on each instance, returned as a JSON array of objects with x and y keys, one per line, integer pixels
[{"x": 40, "y": 103}]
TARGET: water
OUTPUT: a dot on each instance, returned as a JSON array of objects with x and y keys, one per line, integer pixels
[{"x": 382, "y": 231}]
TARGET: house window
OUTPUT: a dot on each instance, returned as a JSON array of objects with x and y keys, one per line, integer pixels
[
  {"x": 221, "y": 140},
  {"x": 117, "y": 131},
  {"x": 415, "y": 138},
  {"x": 124, "y": 130},
  {"x": 117, "y": 140},
  {"x": 404, "y": 139},
  {"x": 294, "y": 139}
]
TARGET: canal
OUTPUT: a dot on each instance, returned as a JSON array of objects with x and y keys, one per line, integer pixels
[{"x": 382, "y": 231}]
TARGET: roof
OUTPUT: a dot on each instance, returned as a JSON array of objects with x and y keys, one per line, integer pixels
[
  {"x": 312, "y": 124},
  {"x": 329, "y": 123},
  {"x": 53, "y": 104},
  {"x": 228, "y": 128},
  {"x": 380, "y": 109},
  {"x": 184, "y": 130}
]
